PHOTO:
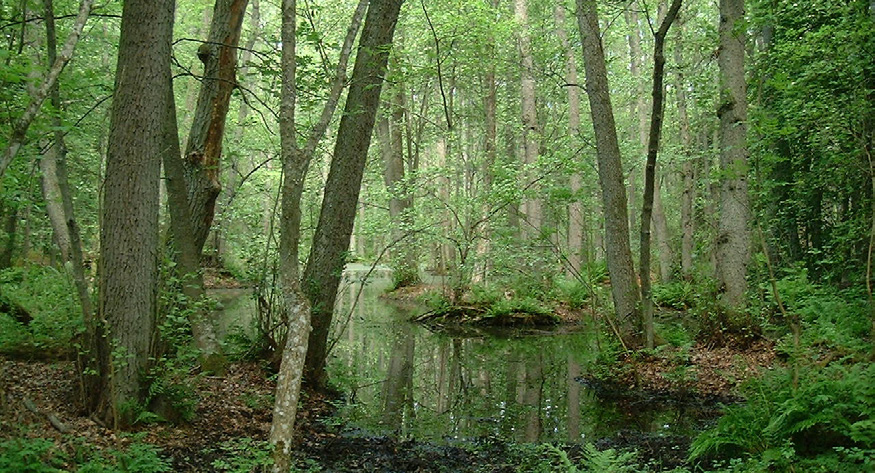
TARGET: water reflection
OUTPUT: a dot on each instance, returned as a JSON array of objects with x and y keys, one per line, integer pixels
[{"x": 407, "y": 381}]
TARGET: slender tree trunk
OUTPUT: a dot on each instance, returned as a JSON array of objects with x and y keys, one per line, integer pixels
[
  {"x": 129, "y": 234},
  {"x": 650, "y": 170},
  {"x": 59, "y": 205},
  {"x": 733, "y": 239},
  {"x": 331, "y": 240},
  {"x": 624, "y": 287},
  {"x": 531, "y": 205},
  {"x": 19, "y": 128},
  {"x": 688, "y": 169},
  {"x": 639, "y": 106},
  {"x": 295, "y": 162},
  {"x": 575, "y": 213}
]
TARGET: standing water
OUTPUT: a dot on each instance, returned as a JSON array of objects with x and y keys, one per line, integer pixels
[{"x": 401, "y": 379}]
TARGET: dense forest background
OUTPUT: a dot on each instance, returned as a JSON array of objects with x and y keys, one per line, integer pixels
[{"x": 151, "y": 148}]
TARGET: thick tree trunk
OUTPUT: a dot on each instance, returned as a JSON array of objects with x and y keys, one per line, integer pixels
[
  {"x": 575, "y": 212},
  {"x": 203, "y": 150},
  {"x": 19, "y": 128},
  {"x": 129, "y": 234},
  {"x": 531, "y": 205},
  {"x": 331, "y": 240},
  {"x": 624, "y": 287},
  {"x": 650, "y": 170},
  {"x": 733, "y": 239}
]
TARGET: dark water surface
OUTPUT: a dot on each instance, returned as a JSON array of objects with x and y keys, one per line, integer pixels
[{"x": 403, "y": 380}]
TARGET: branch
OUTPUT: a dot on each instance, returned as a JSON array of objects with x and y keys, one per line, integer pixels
[{"x": 19, "y": 130}]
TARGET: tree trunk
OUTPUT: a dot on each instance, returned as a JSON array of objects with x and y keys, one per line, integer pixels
[
  {"x": 203, "y": 150},
  {"x": 129, "y": 234},
  {"x": 331, "y": 240},
  {"x": 19, "y": 128},
  {"x": 59, "y": 202},
  {"x": 531, "y": 205},
  {"x": 575, "y": 213},
  {"x": 688, "y": 198},
  {"x": 733, "y": 239},
  {"x": 650, "y": 169},
  {"x": 624, "y": 287},
  {"x": 390, "y": 130}
]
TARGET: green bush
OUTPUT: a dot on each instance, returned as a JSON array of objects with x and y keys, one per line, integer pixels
[
  {"x": 50, "y": 298},
  {"x": 827, "y": 419},
  {"x": 679, "y": 295},
  {"x": 40, "y": 456}
]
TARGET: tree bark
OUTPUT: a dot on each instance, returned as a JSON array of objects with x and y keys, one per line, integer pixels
[
  {"x": 733, "y": 239},
  {"x": 650, "y": 169},
  {"x": 688, "y": 169},
  {"x": 531, "y": 205},
  {"x": 129, "y": 234},
  {"x": 59, "y": 199},
  {"x": 624, "y": 287},
  {"x": 575, "y": 212},
  {"x": 203, "y": 150},
  {"x": 331, "y": 240},
  {"x": 19, "y": 128}
]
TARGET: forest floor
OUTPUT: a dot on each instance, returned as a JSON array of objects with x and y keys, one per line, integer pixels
[{"x": 232, "y": 417}]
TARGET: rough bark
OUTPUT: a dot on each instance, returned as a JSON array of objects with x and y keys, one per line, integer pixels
[
  {"x": 688, "y": 169},
  {"x": 624, "y": 287},
  {"x": 575, "y": 211},
  {"x": 531, "y": 205},
  {"x": 331, "y": 240},
  {"x": 19, "y": 128},
  {"x": 733, "y": 239},
  {"x": 203, "y": 151},
  {"x": 650, "y": 169},
  {"x": 129, "y": 234}
]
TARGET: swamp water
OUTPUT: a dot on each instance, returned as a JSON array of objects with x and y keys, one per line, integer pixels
[{"x": 404, "y": 380}]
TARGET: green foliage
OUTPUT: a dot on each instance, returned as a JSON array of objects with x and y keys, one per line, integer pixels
[
  {"x": 547, "y": 458},
  {"x": 40, "y": 456},
  {"x": 49, "y": 297},
  {"x": 28, "y": 456},
  {"x": 678, "y": 295},
  {"x": 573, "y": 292},
  {"x": 243, "y": 455},
  {"x": 518, "y": 305},
  {"x": 827, "y": 417}
]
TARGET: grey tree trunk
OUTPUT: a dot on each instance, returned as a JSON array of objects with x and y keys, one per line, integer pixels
[
  {"x": 295, "y": 161},
  {"x": 733, "y": 238},
  {"x": 650, "y": 169},
  {"x": 575, "y": 211},
  {"x": 688, "y": 169},
  {"x": 390, "y": 130},
  {"x": 129, "y": 234},
  {"x": 624, "y": 287},
  {"x": 59, "y": 199},
  {"x": 531, "y": 205},
  {"x": 331, "y": 240}
]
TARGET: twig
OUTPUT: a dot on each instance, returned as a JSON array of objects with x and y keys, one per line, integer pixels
[{"x": 53, "y": 419}]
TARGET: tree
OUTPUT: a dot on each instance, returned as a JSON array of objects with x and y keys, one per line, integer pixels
[
  {"x": 531, "y": 206},
  {"x": 331, "y": 240},
  {"x": 624, "y": 287},
  {"x": 650, "y": 170},
  {"x": 129, "y": 235},
  {"x": 733, "y": 239}
]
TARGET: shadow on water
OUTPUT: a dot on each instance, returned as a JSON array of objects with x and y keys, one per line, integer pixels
[{"x": 406, "y": 382}]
